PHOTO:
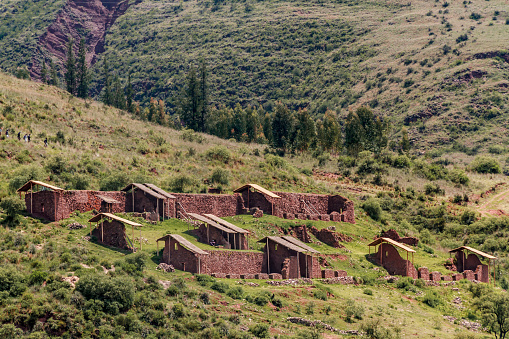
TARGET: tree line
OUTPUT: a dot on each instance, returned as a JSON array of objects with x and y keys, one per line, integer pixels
[{"x": 284, "y": 129}]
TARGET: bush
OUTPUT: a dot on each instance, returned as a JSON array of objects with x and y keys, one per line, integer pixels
[
  {"x": 353, "y": 310},
  {"x": 402, "y": 161},
  {"x": 80, "y": 182},
  {"x": 181, "y": 183},
  {"x": 235, "y": 292},
  {"x": 24, "y": 174},
  {"x": 433, "y": 189},
  {"x": 432, "y": 299},
  {"x": 205, "y": 298},
  {"x": 116, "y": 293},
  {"x": 405, "y": 283},
  {"x": 12, "y": 207},
  {"x": 458, "y": 177},
  {"x": 220, "y": 176},
  {"x": 374, "y": 328},
  {"x": 204, "y": 279},
  {"x": 12, "y": 281},
  {"x": 372, "y": 208},
  {"x": 178, "y": 310},
  {"x": 135, "y": 263},
  {"x": 220, "y": 287},
  {"x": 114, "y": 182},
  {"x": 219, "y": 153},
  {"x": 475, "y": 16},
  {"x": 367, "y": 291},
  {"x": 260, "y": 330},
  {"x": 485, "y": 164},
  {"x": 468, "y": 217}
]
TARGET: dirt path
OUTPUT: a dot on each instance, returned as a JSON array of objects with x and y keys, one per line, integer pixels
[{"x": 490, "y": 206}]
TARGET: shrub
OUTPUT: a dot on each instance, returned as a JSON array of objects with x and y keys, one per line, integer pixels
[
  {"x": 220, "y": 176},
  {"x": 37, "y": 277},
  {"x": 402, "y": 161},
  {"x": 405, "y": 283},
  {"x": 24, "y": 174},
  {"x": 260, "y": 330},
  {"x": 135, "y": 263},
  {"x": 114, "y": 182},
  {"x": 181, "y": 183},
  {"x": 458, "y": 176},
  {"x": 261, "y": 300},
  {"x": 468, "y": 217},
  {"x": 367, "y": 291},
  {"x": 178, "y": 310},
  {"x": 192, "y": 136},
  {"x": 12, "y": 281},
  {"x": 116, "y": 293},
  {"x": 320, "y": 294},
  {"x": 205, "y": 298},
  {"x": 204, "y": 279},
  {"x": 372, "y": 208},
  {"x": 354, "y": 310},
  {"x": 12, "y": 207},
  {"x": 432, "y": 299},
  {"x": 80, "y": 182},
  {"x": 220, "y": 287},
  {"x": 374, "y": 328},
  {"x": 485, "y": 164},
  {"x": 475, "y": 16},
  {"x": 277, "y": 302},
  {"x": 433, "y": 189},
  {"x": 219, "y": 153},
  {"x": 235, "y": 292}
]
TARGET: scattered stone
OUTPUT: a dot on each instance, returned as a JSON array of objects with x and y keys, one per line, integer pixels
[
  {"x": 72, "y": 280},
  {"x": 321, "y": 324},
  {"x": 165, "y": 267},
  {"x": 389, "y": 278},
  {"x": 165, "y": 283},
  {"x": 339, "y": 280},
  {"x": 86, "y": 238},
  {"x": 75, "y": 226},
  {"x": 471, "y": 325},
  {"x": 248, "y": 283},
  {"x": 143, "y": 240},
  {"x": 302, "y": 281},
  {"x": 258, "y": 214},
  {"x": 457, "y": 300}
]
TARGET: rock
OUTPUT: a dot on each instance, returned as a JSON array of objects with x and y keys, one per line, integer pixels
[
  {"x": 165, "y": 267},
  {"x": 75, "y": 226}
]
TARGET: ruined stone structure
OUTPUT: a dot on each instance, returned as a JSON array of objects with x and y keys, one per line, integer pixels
[
  {"x": 471, "y": 266},
  {"x": 285, "y": 262},
  {"x": 392, "y": 261},
  {"x": 57, "y": 204},
  {"x": 393, "y": 234},
  {"x": 54, "y": 206},
  {"x": 111, "y": 234}
]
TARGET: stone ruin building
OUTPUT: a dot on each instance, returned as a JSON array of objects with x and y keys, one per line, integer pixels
[
  {"x": 468, "y": 267},
  {"x": 286, "y": 258},
  {"x": 110, "y": 230},
  {"x": 53, "y": 203},
  {"x": 216, "y": 231},
  {"x": 471, "y": 266}
]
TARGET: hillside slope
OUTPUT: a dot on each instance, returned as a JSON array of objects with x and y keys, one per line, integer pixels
[{"x": 101, "y": 145}]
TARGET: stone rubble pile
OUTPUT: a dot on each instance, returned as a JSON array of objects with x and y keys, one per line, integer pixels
[
  {"x": 165, "y": 267},
  {"x": 339, "y": 280},
  {"x": 75, "y": 226},
  {"x": 319, "y": 323},
  {"x": 302, "y": 281}
]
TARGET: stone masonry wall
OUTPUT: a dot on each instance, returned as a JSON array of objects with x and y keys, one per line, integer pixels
[
  {"x": 56, "y": 206},
  {"x": 222, "y": 205},
  {"x": 278, "y": 256},
  {"x": 234, "y": 262},
  {"x": 181, "y": 258},
  {"x": 113, "y": 234},
  {"x": 394, "y": 263}
]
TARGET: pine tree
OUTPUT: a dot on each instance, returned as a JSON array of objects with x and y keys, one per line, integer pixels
[
  {"x": 82, "y": 71},
  {"x": 129, "y": 94},
  {"x": 252, "y": 124},
  {"x": 107, "y": 91},
  {"x": 353, "y": 134},
  {"x": 44, "y": 73},
  {"x": 364, "y": 131},
  {"x": 281, "y": 127},
  {"x": 190, "y": 109},
  {"x": 203, "y": 95},
  {"x": 405, "y": 143},
  {"x": 53, "y": 80},
  {"x": 118, "y": 94},
  {"x": 70, "y": 75},
  {"x": 239, "y": 123}
]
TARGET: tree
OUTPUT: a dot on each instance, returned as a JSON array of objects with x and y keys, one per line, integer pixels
[
  {"x": 239, "y": 122},
  {"x": 129, "y": 94},
  {"x": 267, "y": 127},
  {"x": 494, "y": 308},
  {"x": 118, "y": 94},
  {"x": 53, "y": 80},
  {"x": 306, "y": 131},
  {"x": 70, "y": 74},
  {"x": 107, "y": 91},
  {"x": 44, "y": 73},
  {"x": 252, "y": 124},
  {"x": 161, "y": 117},
  {"x": 405, "y": 143},
  {"x": 152, "y": 110},
  {"x": 82, "y": 71},
  {"x": 12, "y": 206},
  {"x": 203, "y": 95},
  {"x": 364, "y": 131},
  {"x": 329, "y": 133},
  {"x": 191, "y": 102},
  {"x": 281, "y": 127}
]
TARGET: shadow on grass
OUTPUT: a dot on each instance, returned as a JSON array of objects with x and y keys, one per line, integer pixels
[{"x": 111, "y": 248}]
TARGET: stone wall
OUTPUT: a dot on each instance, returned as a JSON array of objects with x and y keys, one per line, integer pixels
[
  {"x": 234, "y": 262},
  {"x": 112, "y": 234},
  {"x": 394, "y": 263},
  {"x": 222, "y": 205},
  {"x": 56, "y": 206},
  {"x": 180, "y": 257},
  {"x": 277, "y": 256},
  {"x": 472, "y": 264},
  {"x": 143, "y": 202}
]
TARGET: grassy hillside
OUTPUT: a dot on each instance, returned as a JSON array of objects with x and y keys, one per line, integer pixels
[{"x": 94, "y": 146}]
